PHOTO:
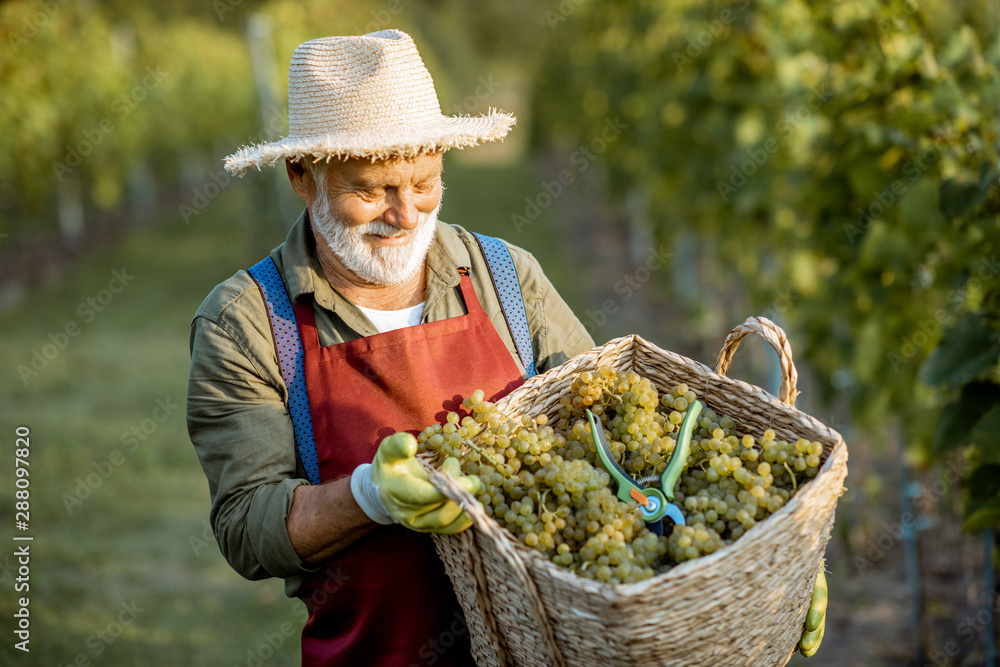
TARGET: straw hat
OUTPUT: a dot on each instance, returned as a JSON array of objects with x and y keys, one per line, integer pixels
[{"x": 367, "y": 96}]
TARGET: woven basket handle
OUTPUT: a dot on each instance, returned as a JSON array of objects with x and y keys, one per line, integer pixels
[{"x": 776, "y": 337}]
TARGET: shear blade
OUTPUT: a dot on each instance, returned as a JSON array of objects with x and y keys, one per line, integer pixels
[{"x": 674, "y": 514}]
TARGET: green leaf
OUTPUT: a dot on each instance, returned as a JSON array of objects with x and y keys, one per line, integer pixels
[
  {"x": 962, "y": 198},
  {"x": 984, "y": 482},
  {"x": 957, "y": 198},
  {"x": 986, "y": 435},
  {"x": 968, "y": 351},
  {"x": 982, "y": 510},
  {"x": 981, "y": 519},
  {"x": 960, "y": 419}
]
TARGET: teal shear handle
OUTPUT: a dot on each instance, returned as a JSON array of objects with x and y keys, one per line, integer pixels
[{"x": 656, "y": 504}]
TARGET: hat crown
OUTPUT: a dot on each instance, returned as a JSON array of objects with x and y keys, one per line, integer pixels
[
  {"x": 358, "y": 83},
  {"x": 365, "y": 97}
]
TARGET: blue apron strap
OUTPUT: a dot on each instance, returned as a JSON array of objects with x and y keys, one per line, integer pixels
[
  {"x": 508, "y": 288},
  {"x": 291, "y": 360}
]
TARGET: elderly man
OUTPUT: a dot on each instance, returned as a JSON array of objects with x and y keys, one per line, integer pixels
[{"x": 369, "y": 320}]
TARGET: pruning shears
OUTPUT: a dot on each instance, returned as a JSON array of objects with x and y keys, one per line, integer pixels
[{"x": 656, "y": 504}]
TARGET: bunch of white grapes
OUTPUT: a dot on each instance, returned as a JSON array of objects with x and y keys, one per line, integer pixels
[{"x": 545, "y": 484}]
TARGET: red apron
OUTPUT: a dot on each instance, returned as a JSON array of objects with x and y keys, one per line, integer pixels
[{"x": 386, "y": 600}]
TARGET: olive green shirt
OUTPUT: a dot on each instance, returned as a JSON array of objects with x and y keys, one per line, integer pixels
[{"x": 237, "y": 411}]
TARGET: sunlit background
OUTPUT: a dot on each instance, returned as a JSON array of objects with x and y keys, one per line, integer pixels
[{"x": 676, "y": 167}]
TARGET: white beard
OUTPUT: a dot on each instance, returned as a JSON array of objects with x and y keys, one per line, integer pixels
[{"x": 380, "y": 265}]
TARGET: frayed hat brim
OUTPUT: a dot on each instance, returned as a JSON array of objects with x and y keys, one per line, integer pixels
[{"x": 376, "y": 143}]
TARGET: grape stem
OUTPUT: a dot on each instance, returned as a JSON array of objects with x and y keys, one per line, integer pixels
[
  {"x": 485, "y": 456},
  {"x": 795, "y": 485},
  {"x": 474, "y": 447},
  {"x": 543, "y": 507}
]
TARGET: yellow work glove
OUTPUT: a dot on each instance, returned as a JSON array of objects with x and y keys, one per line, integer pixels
[
  {"x": 812, "y": 634},
  {"x": 395, "y": 489}
]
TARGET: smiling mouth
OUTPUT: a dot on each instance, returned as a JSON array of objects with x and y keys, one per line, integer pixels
[{"x": 397, "y": 239}]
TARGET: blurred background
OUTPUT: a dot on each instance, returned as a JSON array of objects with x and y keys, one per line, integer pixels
[{"x": 676, "y": 167}]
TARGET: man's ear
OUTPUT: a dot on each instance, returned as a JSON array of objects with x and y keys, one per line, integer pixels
[{"x": 301, "y": 180}]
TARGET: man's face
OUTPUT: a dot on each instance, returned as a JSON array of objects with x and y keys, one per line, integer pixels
[{"x": 378, "y": 217}]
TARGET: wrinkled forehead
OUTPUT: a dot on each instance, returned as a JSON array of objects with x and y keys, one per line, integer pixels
[{"x": 389, "y": 171}]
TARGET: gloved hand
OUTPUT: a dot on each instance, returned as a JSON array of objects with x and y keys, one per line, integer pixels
[
  {"x": 812, "y": 634},
  {"x": 394, "y": 489}
]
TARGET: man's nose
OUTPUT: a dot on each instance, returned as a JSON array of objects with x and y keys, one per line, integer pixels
[{"x": 402, "y": 211}]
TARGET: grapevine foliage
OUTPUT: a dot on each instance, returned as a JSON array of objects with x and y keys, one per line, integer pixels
[{"x": 844, "y": 151}]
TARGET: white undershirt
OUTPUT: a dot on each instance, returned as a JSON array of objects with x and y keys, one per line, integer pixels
[{"x": 390, "y": 320}]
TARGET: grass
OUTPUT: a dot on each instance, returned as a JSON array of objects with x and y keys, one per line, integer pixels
[{"x": 121, "y": 572}]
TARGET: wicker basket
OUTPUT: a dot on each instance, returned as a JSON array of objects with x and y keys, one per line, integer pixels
[{"x": 742, "y": 605}]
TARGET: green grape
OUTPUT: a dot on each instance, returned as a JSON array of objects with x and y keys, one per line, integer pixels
[{"x": 543, "y": 482}]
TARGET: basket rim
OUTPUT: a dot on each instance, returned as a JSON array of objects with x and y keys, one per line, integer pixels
[{"x": 632, "y": 343}]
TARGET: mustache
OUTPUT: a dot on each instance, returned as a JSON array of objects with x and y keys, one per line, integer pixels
[{"x": 384, "y": 229}]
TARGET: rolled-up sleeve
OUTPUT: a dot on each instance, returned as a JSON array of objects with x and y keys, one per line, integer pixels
[{"x": 241, "y": 430}]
